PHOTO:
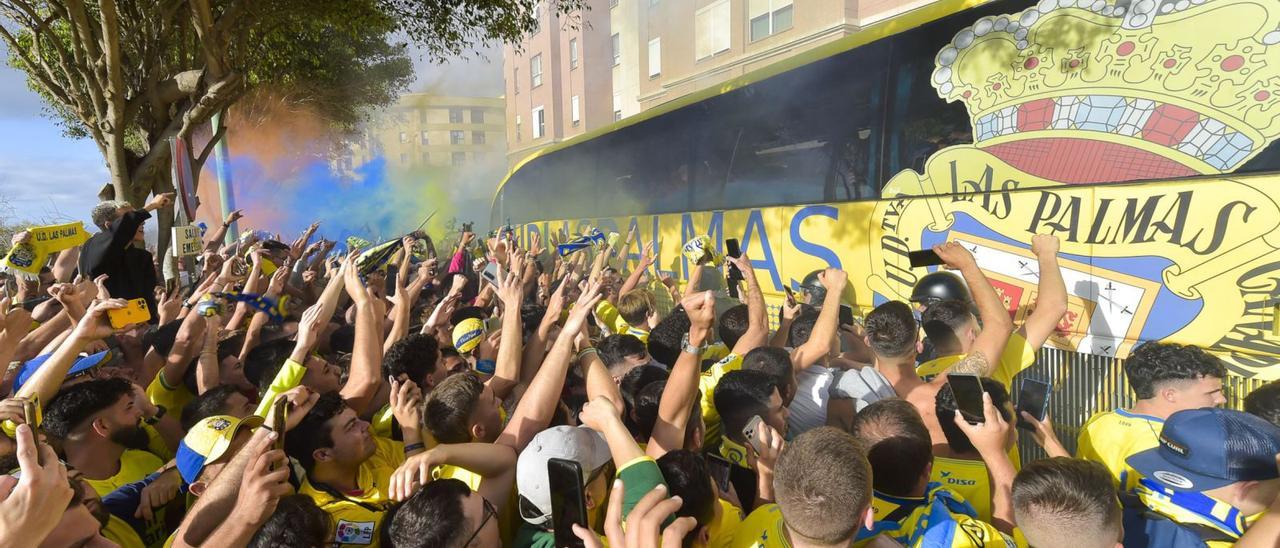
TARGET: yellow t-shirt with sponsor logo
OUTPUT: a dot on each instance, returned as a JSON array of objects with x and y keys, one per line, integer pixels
[
  {"x": 967, "y": 478},
  {"x": 357, "y": 516},
  {"x": 723, "y": 530},
  {"x": 1112, "y": 437},
  {"x": 763, "y": 528},
  {"x": 707, "y": 383}
]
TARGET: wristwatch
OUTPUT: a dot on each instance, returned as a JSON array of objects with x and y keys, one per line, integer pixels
[
  {"x": 686, "y": 347},
  {"x": 152, "y": 420}
]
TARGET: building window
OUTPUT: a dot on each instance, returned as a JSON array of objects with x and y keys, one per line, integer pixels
[
  {"x": 455, "y": 116},
  {"x": 477, "y": 116},
  {"x": 518, "y": 126},
  {"x": 515, "y": 80},
  {"x": 535, "y": 71},
  {"x": 459, "y": 158},
  {"x": 617, "y": 115},
  {"x": 573, "y": 53},
  {"x": 655, "y": 57},
  {"x": 613, "y": 3},
  {"x": 769, "y": 17},
  {"x": 477, "y": 137},
  {"x": 616, "y": 40},
  {"x": 575, "y": 112},
  {"x": 617, "y": 107},
  {"x": 404, "y": 158},
  {"x": 426, "y": 157},
  {"x": 537, "y": 17},
  {"x": 539, "y": 122},
  {"x": 711, "y": 29},
  {"x": 457, "y": 137},
  {"x": 404, "y": 137}
]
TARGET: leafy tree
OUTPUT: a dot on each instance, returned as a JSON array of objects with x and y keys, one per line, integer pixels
[{"x": 130, "y": 74}]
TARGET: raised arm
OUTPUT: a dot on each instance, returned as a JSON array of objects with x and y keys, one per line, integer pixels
[
  {"x": 494, "y": 462},
  {"x": 207, "y": 373},
  {"x": 94, "y": 326},
  {"x": 676, "y": 404},
  {"x": 366, "y": 357},
  {"x": 534, "y": 411},
  {"x": 1051, "y": 293},
  {"x": 824, "y": 330},
  {"x": 511, "y": 292},
  {"x": 215, "y": 240},
  {"x": 536, "y": 348},
  {"x": 996, "y": 324},
  {"x": 758, "y": 319},
  {"x": 633, "y": 281}
]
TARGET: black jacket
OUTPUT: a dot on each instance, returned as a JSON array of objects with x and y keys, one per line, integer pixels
[{"x": 131, "y": 272}]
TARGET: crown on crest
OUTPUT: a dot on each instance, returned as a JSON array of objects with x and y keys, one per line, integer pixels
[{"x": 1159, "y": 87}]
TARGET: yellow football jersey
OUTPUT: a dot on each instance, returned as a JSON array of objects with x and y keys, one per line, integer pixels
[{"x": 1111, "y": 437}]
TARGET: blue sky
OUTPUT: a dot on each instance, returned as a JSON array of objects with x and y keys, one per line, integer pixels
[{"x": 46, "y": 177}]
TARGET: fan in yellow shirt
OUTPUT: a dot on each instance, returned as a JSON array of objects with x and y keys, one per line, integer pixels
[
  {"x": 1166, "y": 378},
  {"x": 336, "y": 447}
]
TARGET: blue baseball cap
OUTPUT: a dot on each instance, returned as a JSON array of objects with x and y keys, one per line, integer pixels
[
  {"x": 84, "y": 363},
  {"x": 1202, "y": 449},
  {"x": 208, "y": 441}
]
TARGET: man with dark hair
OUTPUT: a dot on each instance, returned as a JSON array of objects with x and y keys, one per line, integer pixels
[
  {"x": 687, "y": 477},
  {"x": 955, "y": 332},
  {"x": 823, "y": 491},
  {"x": 775, "y": 362},
  {"x": 1211, "y": 473},
  {"x": 630, "y": 387},
  {"x": 665, "y": 338},
  {"x": 908, "y": 507},
  {"x": 443, "y": 513},
  {"x": 740, "y": 396},
  {"x": 957, "y": 465},
  {"x": 348, "y": 468},
  {"x": 621, "y": 354},
  {"x": 100, "y": 429},
  {"x": 1165, "y": 378},
  {"x": 414, "y": 358},
  {"x": 733, "y": 324},
  {"x": 296, "y": 523},
  {"x": 893, "y": 338},
  {"x": 1264, "y": 402},
  {"x": 1067, "y": 503}
]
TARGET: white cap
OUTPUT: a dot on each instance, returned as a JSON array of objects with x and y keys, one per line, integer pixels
[{"x": 579, "y": 444}]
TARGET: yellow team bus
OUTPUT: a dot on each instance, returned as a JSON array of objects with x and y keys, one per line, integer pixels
[{"x": 1140, "y": 132}]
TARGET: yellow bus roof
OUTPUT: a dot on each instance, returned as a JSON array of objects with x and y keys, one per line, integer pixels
[{"x": 888, "y": 27}]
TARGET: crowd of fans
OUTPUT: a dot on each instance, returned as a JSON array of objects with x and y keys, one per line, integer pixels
[{"x": 391, "y": 397}]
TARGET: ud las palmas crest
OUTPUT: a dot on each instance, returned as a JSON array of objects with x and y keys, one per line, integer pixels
[{"x": 1076, "y": 92}]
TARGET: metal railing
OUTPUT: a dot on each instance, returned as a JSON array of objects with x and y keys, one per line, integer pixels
[{"x": 1085, "y": 384}]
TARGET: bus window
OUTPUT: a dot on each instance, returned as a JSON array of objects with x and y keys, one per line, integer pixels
[
  {"x": 921, "y": 123},
  {"x": 806, "y": 137},
  {"x": 642, "y": 168}
]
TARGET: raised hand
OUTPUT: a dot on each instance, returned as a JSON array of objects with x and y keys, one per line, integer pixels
[
  {"x": 955, "y": 255},
  {"x": 406, "y": 399}
]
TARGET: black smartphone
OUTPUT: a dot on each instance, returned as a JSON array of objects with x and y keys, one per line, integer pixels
[
  {"x": 31, "y": 416},
  {"x": 923, "y": 257},
  {"x": 846, "y": 315},
  {"x": 280, "y": 420},
  {"x": 568, "y": 501},
  {"x": 719, "y": 469},
  {"x": 1033, "y": 397},
  {"x": 968, "y": 392},
  {"x": 732, "y": 249},
  {"x": 791, "y": 296}
]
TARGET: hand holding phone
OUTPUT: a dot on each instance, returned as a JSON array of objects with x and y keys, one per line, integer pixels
[
  {"x": 967, "y": 390},
  {"x": 135, "y": 312},
  {"x": 923, "y": 258},
  {"x": 568, "y": 501},
  {"x": 1033, "y": 398},
  {"x": 749, "y": 432}
]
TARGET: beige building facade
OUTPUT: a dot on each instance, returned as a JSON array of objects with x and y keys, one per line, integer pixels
[
  {"x": 436, "y": 130},
  {"x": 633, "y": 55}
]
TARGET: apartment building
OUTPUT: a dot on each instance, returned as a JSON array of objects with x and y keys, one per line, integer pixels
[
  {"x": 437, "y": 130},
  {"x": 623, "y": 57}
]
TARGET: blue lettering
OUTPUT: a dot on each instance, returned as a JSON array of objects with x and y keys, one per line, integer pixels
[
  {"x": 754, "y": 219},
  {"x": 657, "y": 250},
  {"x": 608, "y": 225},
  {"x": 638, "y": 245},
  {"x": 526, "y": 238},
  {"x": 810, "y": 248}
]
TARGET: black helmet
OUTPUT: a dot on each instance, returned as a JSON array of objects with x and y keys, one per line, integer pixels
[
  {"x": 940, "y": 286},
  {"x": 813, "y": 288}
]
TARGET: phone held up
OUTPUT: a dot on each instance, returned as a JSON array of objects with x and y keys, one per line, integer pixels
[
  {"x": 568, "y": 501},
  {"x": 968, "y": 393},
  {"x": 1033, "y": 397}
]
